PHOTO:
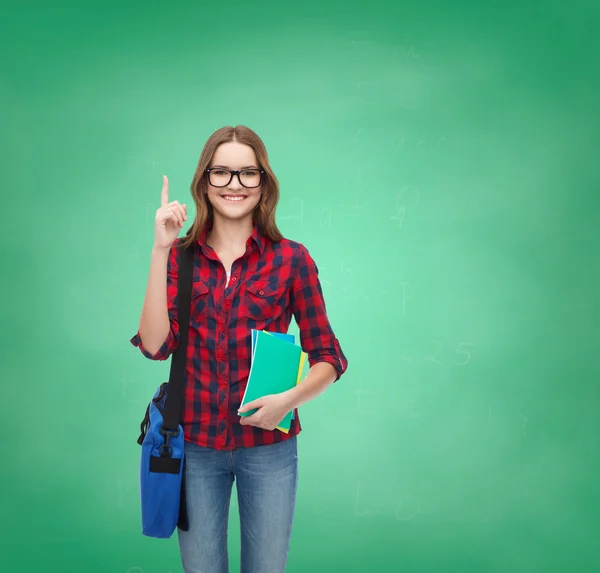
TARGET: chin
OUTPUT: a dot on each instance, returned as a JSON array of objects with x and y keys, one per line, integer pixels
[{"x": 234, "y": 211}]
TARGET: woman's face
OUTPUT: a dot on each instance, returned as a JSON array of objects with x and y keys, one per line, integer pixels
[{"x": 233, "y": 201}]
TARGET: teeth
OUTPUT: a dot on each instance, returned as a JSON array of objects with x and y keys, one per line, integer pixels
[{"x": 238, "y": 198}]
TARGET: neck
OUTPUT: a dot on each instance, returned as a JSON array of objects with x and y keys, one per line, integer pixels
[{"x": 230, "y": 235}]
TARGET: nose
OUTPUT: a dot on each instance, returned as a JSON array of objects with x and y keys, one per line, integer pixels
[{"x": 235, "y": 183}]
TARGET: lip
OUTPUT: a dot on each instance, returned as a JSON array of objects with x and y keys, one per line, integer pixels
[{"x": 233, "y": 195}]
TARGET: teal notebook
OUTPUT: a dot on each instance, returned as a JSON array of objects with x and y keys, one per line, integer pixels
[
  {"x": 289, "y": 337},
  {"x": 276, "y": 367}
]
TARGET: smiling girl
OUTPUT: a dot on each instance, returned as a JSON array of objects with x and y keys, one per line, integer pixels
[{"x": 246, "y": 276}]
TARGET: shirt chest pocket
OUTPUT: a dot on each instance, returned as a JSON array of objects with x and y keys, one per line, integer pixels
[
  {"x": 199, "y": 303},
  {"x": 263, "y": 300}
]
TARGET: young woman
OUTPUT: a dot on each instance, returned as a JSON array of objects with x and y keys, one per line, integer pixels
[{"x": 246, "y": 276}]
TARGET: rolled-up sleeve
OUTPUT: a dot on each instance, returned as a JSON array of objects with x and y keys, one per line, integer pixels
[
  {"x": 170, "y": 343},
  {"x": 308, "y": 305}
]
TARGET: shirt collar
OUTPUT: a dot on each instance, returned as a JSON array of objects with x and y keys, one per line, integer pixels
[{"x": 257, "y": 236}]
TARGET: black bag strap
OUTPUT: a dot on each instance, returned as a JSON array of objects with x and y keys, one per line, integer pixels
[{"x": 178, "y": 360}]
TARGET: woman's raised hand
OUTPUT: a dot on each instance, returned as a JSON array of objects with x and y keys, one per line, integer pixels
[{"x": 169, "y": 219}]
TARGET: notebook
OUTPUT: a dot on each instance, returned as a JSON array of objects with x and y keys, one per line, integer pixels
[
  {"x": 276, "y": 366},
  {"x": 289, "y": 337}
]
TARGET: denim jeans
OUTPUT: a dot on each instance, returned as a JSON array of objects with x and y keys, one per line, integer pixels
[{"x": 266, "y": 480}]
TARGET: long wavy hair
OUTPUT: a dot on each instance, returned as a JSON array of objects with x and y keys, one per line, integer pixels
[{"x": 264, "y": 212}]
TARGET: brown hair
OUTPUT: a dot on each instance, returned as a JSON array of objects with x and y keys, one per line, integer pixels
[{"x": 264, "y": 213}]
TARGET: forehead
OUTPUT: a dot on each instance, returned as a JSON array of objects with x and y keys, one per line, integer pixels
[{"x": 234, "y": 155}]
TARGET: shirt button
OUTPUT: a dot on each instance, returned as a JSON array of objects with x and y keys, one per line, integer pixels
[
  {"x": 233, "y": 279},
  {"x": 227, "y": 303}
]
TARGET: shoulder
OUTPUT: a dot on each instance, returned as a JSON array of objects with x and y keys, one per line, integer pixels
[
  {"x": 292, "y": 249},
  {"x": 297, "y": 255}
]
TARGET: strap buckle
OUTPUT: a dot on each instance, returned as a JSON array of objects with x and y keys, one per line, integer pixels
[{"x": 165, "y": 450}]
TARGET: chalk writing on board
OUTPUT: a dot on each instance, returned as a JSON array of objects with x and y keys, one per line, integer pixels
[
  {"x": 325, "y": 218},
  {"x": 438, "y": 352},
  {"x": 407, "y": 410},
  {"x": 404, "y": 355},
  {"x": 368, "y": 49},
  {"x": 462, "y": 355},
  {"x": 434, "y": 347},
  {"x": 406, "y": 53},
  {"x": 400, "y": 216},
  {"x": 342, "y": 278},
  {"x": 355, "y": 208},
  {"x": 358, "y": 135},
  {"x": 346, "y": 274},
  {"x": 420, "y": 144},
  {"x": 407, "y": 294},
  {"x": 407, "y": 198},
  {"x": 408, "y": 506}
]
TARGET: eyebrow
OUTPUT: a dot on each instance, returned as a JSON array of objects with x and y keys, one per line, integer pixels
[{"x": 241, "y": 168}]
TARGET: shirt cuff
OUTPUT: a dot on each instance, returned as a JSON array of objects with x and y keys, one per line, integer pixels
[
  {"x": 333, "y": 360},
  {"x": 161, "y": 354}
]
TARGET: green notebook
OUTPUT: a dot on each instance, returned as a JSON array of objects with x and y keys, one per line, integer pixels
[{"x": 276, "y": 367}]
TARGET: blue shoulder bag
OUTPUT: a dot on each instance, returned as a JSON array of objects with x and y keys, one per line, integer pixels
[{"x": 162, "y": 467}]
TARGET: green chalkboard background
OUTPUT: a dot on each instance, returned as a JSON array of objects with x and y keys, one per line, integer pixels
[{"x": 440, "y": 162}]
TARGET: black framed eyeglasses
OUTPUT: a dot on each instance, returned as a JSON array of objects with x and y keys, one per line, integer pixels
[{"x": 221, "y": 177}]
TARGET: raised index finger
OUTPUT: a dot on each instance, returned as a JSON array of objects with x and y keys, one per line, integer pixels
[{"x": 164, "y": 194}]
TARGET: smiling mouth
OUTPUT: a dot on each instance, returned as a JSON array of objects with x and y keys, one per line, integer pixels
[{"x": 234, "y": 198}]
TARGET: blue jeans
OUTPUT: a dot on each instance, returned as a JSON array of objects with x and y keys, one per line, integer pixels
[{"x": 267, "y": 478}]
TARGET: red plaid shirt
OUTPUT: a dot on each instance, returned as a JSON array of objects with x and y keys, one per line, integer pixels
[{"x": 269, "y": 284}]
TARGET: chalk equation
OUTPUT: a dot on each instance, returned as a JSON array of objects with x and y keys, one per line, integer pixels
[
  {"x": 438, "y": 352},
  {"x": 408, "y": 197},
  {"x": 321, "y": 216},
  {"x": 420, "y": 144}
]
